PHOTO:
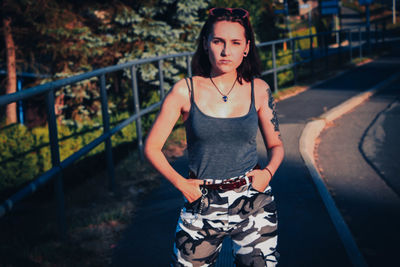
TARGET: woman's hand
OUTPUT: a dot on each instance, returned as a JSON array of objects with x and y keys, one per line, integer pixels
[
  {"x": 190, "y": 188},
  {"x": 261, "y": 179}
]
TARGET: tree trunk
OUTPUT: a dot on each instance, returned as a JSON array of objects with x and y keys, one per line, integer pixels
[{"x": 11, "y": 111}]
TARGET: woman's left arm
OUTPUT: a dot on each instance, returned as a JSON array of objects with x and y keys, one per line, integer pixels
[{"x": 269, "y": 126}]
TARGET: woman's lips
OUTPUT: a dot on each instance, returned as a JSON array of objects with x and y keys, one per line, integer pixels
[{"x": 224, "y": 61}]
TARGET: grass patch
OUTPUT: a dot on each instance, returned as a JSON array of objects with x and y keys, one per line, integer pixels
[{"x": 362, "y": 60}]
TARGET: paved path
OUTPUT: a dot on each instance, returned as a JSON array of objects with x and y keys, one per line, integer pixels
[
  {"x": 306, "y": 234},
  {"x": 360, "y": 165},
  {"x": 381, "y": 142}
]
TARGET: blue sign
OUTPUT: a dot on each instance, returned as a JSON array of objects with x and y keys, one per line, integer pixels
[
  {"x": 329, "y": 3},
  {"x": 329, "y": 7},
  {"x": 330, "y": 10},
  {"x": 280, "y": 11},
  {"x": 365, "y": 2}
]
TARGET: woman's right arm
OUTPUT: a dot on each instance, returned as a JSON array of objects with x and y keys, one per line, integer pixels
[{"x": 169, "y": 114}]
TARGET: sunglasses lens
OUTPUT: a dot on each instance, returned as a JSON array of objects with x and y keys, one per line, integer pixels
[
  {"x": 218, "y": 11},
  {"x": 239, "y": 12}
]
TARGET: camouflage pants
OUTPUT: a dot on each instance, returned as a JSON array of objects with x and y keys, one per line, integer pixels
[{"x": 249, "y": 217}]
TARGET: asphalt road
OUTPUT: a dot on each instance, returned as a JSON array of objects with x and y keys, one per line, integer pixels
[{"x": 359, "y": 163}]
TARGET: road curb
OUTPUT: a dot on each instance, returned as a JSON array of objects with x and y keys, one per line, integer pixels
[{"x": 306, "y": 145}]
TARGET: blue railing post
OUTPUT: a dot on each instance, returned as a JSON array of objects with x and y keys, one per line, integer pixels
[
  {"x": 274, "y": 66},
  {"x": 55, "y": 160},
  {"x": 136, "y": 105},
  {"x": 189, "y": 67},
  {"x": 161, "y": 78},
  {"x": 376, "y": 35},
  {"x": 326, "y": 47},
  {"x": 368, "y": 29},
  {"x": 311, "y": 55},
  {"x": 340, "y": 46},
  {"x": 349, "y": 34},
  {"x": 20, "y": 103},
  {"x": 292, "y": 44},
  {"x": 106, "y": 129},
  {"x": 359, "y": 41}
]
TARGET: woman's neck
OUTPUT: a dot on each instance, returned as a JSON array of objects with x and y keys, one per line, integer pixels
[{"x": 224, "y": 80}]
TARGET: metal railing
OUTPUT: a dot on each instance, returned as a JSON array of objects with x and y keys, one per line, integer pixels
[{"x": 305, "y": 55}]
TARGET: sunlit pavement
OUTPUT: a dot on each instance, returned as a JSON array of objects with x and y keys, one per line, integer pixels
[{"x": 306, "y": 235}]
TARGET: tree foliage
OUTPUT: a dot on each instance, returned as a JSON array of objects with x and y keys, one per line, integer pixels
[
  {"x": 65, "y": 38},
  {"x": 74, "y": 36}
]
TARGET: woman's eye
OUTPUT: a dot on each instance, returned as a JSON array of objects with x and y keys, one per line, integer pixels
[
  {"x": 236, "y": 43},
  {"x": 216, "y": 41}
]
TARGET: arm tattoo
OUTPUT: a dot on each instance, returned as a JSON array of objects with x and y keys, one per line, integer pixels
[{"x": 272, "y": 105}]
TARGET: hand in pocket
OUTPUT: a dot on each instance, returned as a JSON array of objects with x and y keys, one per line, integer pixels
[{"x": 261, "y": 179}]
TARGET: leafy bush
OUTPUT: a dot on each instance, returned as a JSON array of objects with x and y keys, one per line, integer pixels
[
  {"x": 304, "y": 43},
  {"x": 282, "y": 58},
  {"x": 16, "y": 140},
  {"x": 25, "y": 153}
]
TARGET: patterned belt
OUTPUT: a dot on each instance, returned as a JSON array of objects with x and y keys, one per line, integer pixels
[{"x": 227, "y": 184}]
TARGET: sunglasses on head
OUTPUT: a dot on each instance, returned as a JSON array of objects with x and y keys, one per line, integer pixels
[{"x": 237, "y": 12}]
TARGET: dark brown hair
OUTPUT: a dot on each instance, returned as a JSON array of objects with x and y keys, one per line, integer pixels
[{"x": 250, "y": 66}]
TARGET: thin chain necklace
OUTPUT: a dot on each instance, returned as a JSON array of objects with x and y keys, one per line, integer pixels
[{"x": 224, "y": 97}]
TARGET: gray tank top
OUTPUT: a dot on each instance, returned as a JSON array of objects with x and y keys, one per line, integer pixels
[{"x": 221, "y": 148}]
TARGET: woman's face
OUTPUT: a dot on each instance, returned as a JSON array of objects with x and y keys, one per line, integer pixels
[{"x": 226, "y": 46}]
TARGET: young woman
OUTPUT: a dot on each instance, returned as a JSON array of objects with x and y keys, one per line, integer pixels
[{"x": 226, "y": 192}]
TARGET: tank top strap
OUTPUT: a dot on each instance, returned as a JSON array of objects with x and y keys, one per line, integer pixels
[
  {"x": 252, "y": 93},
  {"x": 191, "y": 88}
]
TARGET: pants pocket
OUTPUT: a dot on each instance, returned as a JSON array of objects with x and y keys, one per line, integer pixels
[
  {"x": 199, "y": 206},
  {"x": 192, "y": 206},
  {"x": 267, "y": 190},
  {"x": 261, "y": 199}
]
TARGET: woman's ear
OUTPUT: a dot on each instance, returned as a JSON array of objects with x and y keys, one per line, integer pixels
[{"x": 247, "y": 49}]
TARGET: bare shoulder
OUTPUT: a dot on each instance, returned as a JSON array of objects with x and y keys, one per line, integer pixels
[
  {"x": 261, "y": 88},
  {"x": 179, "y": 94},
  {"x": 180, "y": 89},
  {"x": 262, "y": 92}
]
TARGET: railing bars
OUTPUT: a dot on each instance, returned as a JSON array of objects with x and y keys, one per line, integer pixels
[
  {"x": 136, "y": 104},
  {"x": 106, "y": 129},
  {"x": 55, "y": 160},
  {"x": 161, "y": 78}
]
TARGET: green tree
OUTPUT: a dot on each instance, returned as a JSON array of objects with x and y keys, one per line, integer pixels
[{"x": 65, "y": 38}]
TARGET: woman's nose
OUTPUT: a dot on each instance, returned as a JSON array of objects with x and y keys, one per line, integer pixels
[{"x": 226, "y": 51}]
